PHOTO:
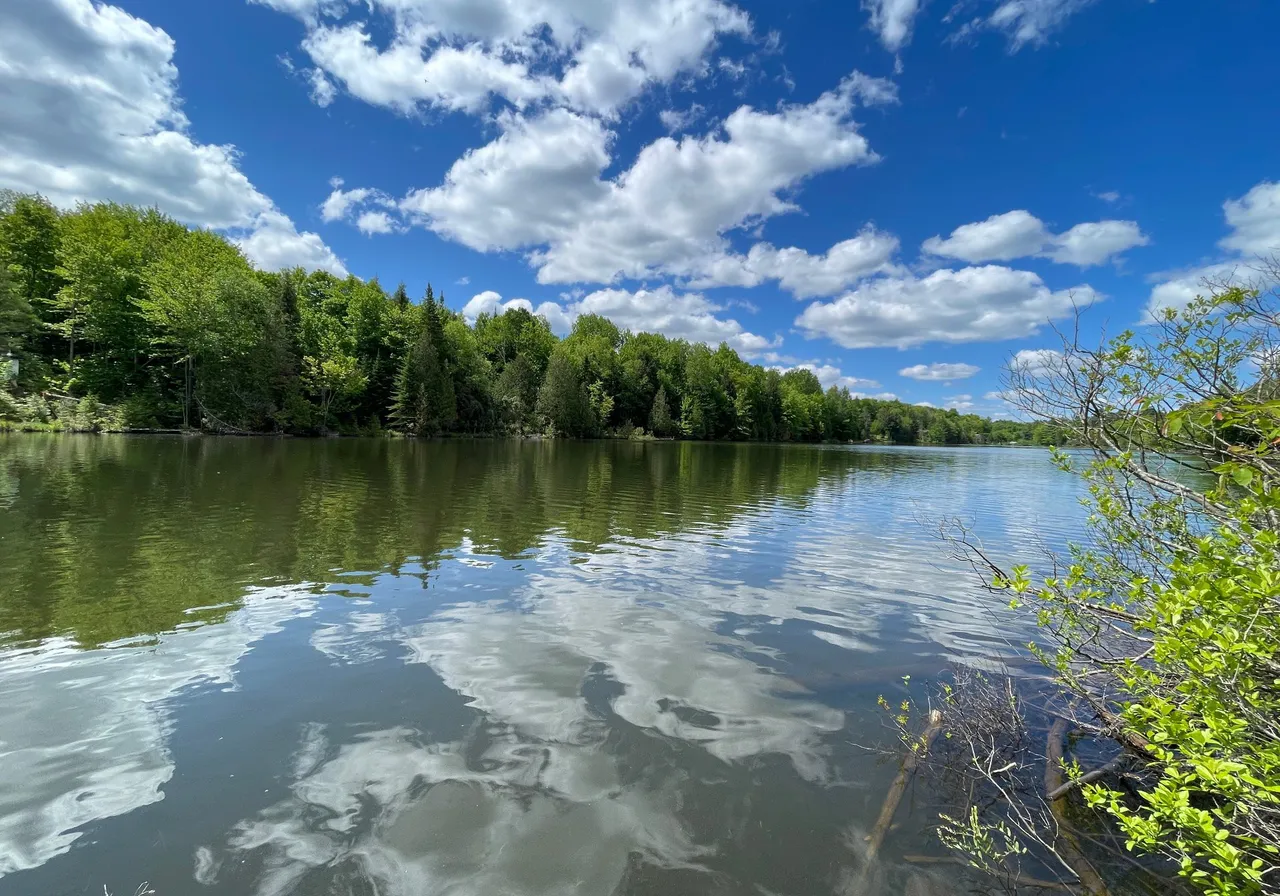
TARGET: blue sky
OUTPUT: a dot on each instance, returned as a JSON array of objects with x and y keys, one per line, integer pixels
[{"x": 898, "y": 193}]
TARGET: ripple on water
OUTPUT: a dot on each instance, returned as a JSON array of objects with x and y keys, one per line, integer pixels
[{"x": 286, "y": 667}]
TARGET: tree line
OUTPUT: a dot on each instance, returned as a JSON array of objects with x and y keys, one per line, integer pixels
[{"x": 121, "y": 317}]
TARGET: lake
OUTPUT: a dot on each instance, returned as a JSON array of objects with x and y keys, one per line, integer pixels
[{"x": 254, "y": 666}]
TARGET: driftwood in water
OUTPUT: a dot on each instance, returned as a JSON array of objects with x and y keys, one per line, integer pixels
[
  {"x": 899, "y": 786},
  {"x": 1119, "y": 764},
  {"x": 1067, "y": 844}
]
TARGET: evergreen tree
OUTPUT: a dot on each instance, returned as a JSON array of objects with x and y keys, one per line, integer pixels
[
  {"x": 401, "y": 297},
  {"x": 563, "y": 400},
  {"x": 424, "y": 403},
  {"x": 661, "y": 423},
  {"x": 17, "y": 321}
]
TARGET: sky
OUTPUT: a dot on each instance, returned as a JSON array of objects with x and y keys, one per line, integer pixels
[{"x": 901, "y": 195}]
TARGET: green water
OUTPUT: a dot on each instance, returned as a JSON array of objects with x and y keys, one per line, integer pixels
[{"x": 359, "y": 667}]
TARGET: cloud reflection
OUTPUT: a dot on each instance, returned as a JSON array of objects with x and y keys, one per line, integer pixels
[{"x": 83, "y": 734}]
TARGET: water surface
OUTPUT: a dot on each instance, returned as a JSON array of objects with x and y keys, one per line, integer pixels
[{"x": 389, "y": 667}]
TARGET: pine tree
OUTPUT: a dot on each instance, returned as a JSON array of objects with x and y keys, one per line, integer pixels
[
  {"x": 563, "y": 400},
  {"x": 424, "y": 402},
  {"x": 401, "y": 297},
  {"x": 661, "y": 423},
  {"x": 17, "y": 321}
]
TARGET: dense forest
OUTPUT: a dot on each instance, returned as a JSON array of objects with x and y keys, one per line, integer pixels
[{"x": 122, "y": 318}]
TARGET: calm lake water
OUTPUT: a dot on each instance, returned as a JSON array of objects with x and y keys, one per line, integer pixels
[{"x": 482, "y": 668}]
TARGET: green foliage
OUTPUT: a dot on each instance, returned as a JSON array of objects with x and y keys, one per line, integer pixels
[
  {"x": 661, "y": 423},
  {"x": 128, "y": 307},
  {"x": 17, "y": 321},
  {"x": 564, "y": 401},
  {"x": 1168, "y": 623}
]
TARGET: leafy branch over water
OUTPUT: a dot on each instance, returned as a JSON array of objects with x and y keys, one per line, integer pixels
[{"x": 1162, "y": 634}]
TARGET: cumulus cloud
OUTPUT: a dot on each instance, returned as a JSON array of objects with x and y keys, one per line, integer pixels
[
  {"x": 341, "y": 202},
  {"x": 490, "y": 302},
  {"x": 802, "y": 274},
  {"x": 92, "y": 112},
  {"x": 1254, "y": 222},
  {"x": 938, "y": 372},
  {"x": 275, "y": 244},
  {"x": 689, "y": 316},
  {"x": 1035, "y": 362},
  {"x": 592, "y": 57},
  {"x": 1177, "y": 289},
  {"x": 968, "y": 305},
  {"x": 400, "y": 78},
  {"x": 829, "y": 375},
  {"x": 1020, "y": 234},
  {"x": 892, "y": 21},
  {"x": 372, "y": 222},
  {"x": 538, "y": 187},
  {"x": 525, "y": 188}
]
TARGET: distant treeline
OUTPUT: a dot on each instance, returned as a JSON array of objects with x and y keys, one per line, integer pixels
[{"x": 120, "y": 316}]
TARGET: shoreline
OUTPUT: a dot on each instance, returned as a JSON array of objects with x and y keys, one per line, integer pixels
[{"x": 7, "y": 429}]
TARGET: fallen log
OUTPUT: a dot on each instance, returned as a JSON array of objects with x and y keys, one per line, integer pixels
[
  {"x": 875, "y": 839},
  {"x": 899, "y": 785},
  {"x": 1067, "y": 844}
]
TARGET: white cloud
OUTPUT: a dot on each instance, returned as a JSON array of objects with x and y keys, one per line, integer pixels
[
  {"x": 804, "y": 275},
  {"x": 110, "y": 753},
  {"x": 527, "y": 187},
  {"x": 1020, "y": 234},
  {"x": 490, "y": 302},
  {"x": 959, "y": 403},
  {"x": 1015, "y": 234},
  {"x": 1031, "y": 22},
  {"x": 892, "y": 20},
  {"x": 675, "y": 315},
  {"x": 732, "y": 68},
  {"x": 372, "y": 222},
  {"x": 341, "y": 202},
  {"x": 939, "y": 372},
  {"x": 688, "y": 316},
  {"x": 538, "y": 187},
  {"x": 973, "y": 304},
  {"x": 1091, "y": 244},
  {"x": 593, "y": 57},
  {"x": 676, "y": 121},
  {"x": 1034, "y": 362},
  {"x": 1255, "y": 221},
  {"x": 1177, "y": 289},
  {"x": 92, "y": 112},
  {"x": 400, "y": 78},
  {"x": 830, "y": 376},
  {"x": 275, "y": 244},
  {"x": 1110, "y": 196},
  {"x": 323, "y": 91}
]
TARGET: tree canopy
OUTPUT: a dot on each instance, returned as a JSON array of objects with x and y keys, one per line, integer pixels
[{"x": 174, "y": 327}]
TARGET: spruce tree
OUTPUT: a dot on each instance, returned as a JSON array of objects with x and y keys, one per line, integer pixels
[{"x": 661, "y": 423}]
